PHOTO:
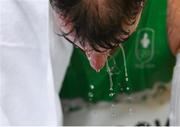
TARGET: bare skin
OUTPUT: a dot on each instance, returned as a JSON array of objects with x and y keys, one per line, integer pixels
[{"x": 173, "y": 24}]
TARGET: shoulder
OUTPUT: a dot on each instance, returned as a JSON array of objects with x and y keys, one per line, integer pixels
[{"x": 173, "y": 24}]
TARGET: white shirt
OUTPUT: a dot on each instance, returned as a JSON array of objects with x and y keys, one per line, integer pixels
[
  {"x": 30, "y": 75},
  {"x": 175, "y": 95}
]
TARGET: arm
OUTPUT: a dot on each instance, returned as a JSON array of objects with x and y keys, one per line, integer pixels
[{"x": 173, "y": 22}]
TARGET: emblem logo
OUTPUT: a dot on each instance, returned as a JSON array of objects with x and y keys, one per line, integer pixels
[{"x": 145, "y": 45}]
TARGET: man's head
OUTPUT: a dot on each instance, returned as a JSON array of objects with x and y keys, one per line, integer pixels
[{"x": 97, "y": 26}]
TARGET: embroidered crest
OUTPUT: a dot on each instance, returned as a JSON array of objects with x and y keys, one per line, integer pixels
[{"x": 145, "y": 45}]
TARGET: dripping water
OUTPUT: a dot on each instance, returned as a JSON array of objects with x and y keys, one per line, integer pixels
[
  {"x": 111, "y": 90},
  {"x": 91, "y": 92},
  {"x": 125, "y": 65},
  {"x": 130, "y": 109}
]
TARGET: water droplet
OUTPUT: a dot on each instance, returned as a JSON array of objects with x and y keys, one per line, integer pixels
[
  {"x": 127, "y": 79},
  {"x": 125, "y": 62},
  {"x": 98, "y": 70},
  {"x": 90, "y": 95},
  {"x": 111, "y": 94},
  {"x": 110, "y": 75},
  {"x": 115, "y": 70},
  {"x": 112, "y": 106},
  {"x": 127, "y": 88},
  {"x": 111, "y": 89},
  {"x": 91, "y": 87}
]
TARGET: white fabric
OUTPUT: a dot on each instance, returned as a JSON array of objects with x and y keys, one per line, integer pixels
[
  {"x": 27, "y": 92},
  {"x": 61, "y": 51},
  {"x": 175, "y": 95}
]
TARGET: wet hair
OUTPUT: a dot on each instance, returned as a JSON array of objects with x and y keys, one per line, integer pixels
[{"x": 98, "y": 22}]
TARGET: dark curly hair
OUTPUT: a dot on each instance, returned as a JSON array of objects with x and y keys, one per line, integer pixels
[{"x": 98, "y": 22}]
